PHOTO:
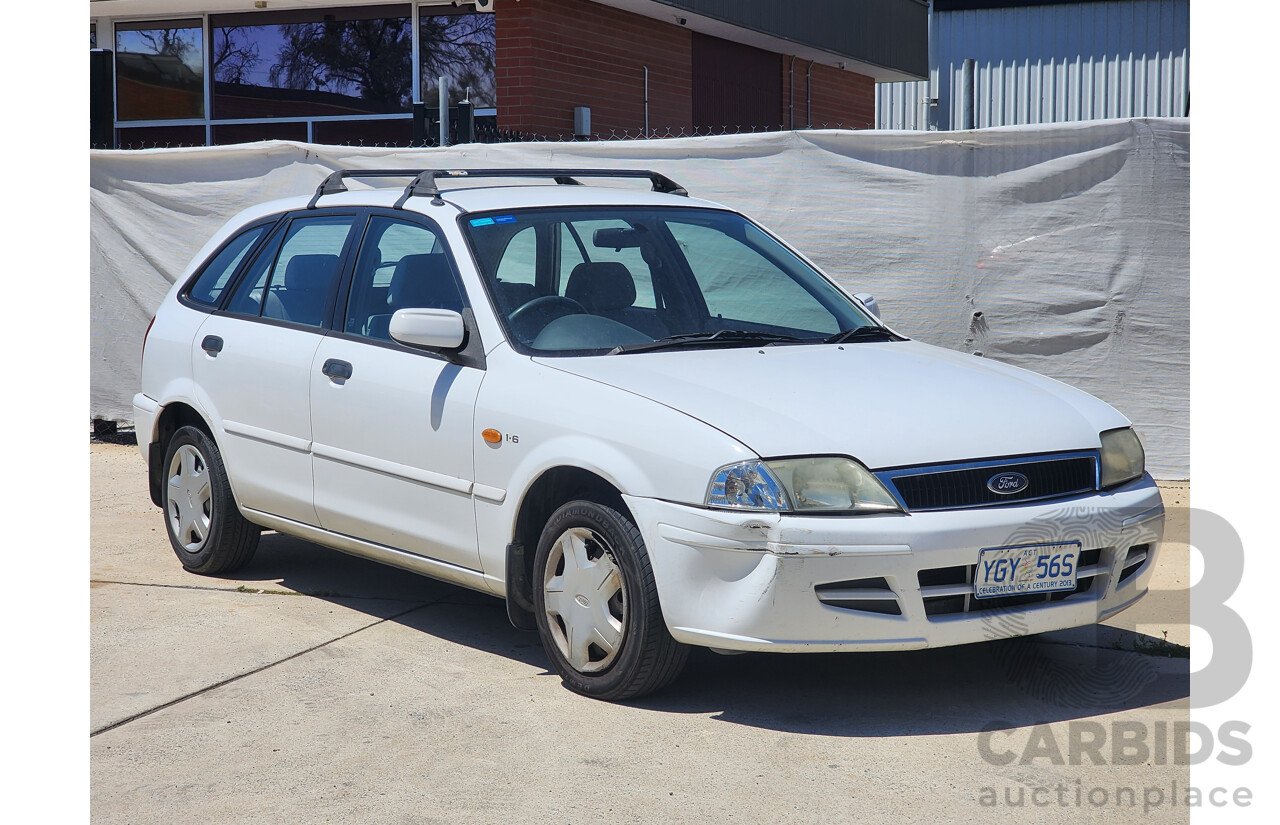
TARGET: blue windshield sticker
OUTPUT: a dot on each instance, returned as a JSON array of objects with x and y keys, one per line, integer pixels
[
  {"x": 482, "y": 222},
  {"x": 505, "y": 219}
]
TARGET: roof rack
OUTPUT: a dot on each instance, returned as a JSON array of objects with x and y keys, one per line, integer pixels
[{"x": 425, "y": 180}]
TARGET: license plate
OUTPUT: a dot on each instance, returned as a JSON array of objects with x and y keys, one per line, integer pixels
[{"x": 1026, "y": 568}]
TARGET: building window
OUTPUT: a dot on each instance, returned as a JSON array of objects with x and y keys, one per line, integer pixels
[
  {"x": 461, "y": 48},
  {"x": 330, "y": 62},
  {"x": 159, "y": 70}
]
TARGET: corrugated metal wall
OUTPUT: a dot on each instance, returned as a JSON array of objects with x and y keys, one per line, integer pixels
[
  {"x": 1049, "y": 64},
  {"x": 903, "y": 106}
]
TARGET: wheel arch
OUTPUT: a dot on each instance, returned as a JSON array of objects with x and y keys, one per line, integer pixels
[
  {"x": 554, "y": 487},
  {"x": 173, "y": 416}
]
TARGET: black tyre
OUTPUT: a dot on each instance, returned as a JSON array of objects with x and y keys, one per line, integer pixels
[
  {"x": 597, "y": 608},
  {"x": 204, "y": 525}
]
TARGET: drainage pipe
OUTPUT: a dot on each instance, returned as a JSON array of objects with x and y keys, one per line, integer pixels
[
  {"x": 967, "y": 93},
  {"x": 791, "y": 92},
  {"x": 808, "y": 96}
]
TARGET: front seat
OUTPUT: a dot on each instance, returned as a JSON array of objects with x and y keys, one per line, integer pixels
[
  {"x": 418, "y": 282},
  {"x": 606, "y": 288}
]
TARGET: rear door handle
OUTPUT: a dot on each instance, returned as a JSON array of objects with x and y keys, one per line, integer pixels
[
  {"x": 337, "y": 369},
  {"x": 212, "y": 345}
]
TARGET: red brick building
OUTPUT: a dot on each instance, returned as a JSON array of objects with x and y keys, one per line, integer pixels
[{"x": 223, "y": 71}]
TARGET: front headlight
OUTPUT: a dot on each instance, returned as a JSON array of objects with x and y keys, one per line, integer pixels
[
  {"x": 1122, "y": 457},
  {"x": 824, "y": 484}
]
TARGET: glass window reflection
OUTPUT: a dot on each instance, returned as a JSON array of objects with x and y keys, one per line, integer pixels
[
  {"x": 461, "y": 48},
  {"x": 159, "y": 70},
  {"x": 292, "y": 64}
]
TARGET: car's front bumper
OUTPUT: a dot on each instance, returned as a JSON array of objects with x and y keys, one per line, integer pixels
[{"x": 751, "y": 581}]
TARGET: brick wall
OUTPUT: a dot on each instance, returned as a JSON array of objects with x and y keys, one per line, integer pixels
[
  {"x": 553, "y": 55},
  {"x": 836, "y": 96}
]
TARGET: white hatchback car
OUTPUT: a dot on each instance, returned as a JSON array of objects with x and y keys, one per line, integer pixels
[{"x": 642, "y": 419}]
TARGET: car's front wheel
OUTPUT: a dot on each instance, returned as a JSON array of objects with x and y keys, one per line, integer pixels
[
  {"x": 597, "y": 607},
  {"x": 205, "y": 527}
]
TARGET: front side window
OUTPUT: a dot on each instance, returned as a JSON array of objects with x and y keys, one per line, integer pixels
[
  {"x": 401, "y": 265},
  {"x": 617, "y": 279},
  {"x": 159, "y": 70}
]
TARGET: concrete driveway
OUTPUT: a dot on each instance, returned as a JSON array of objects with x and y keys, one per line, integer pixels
[{"x": 316, "y": 687}]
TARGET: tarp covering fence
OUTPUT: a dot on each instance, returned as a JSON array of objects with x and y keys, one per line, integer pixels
[{"x": 1062, "y": 248}]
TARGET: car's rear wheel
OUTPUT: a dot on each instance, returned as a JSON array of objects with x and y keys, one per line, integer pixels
[
  {"x": 205, "y": 527},
  {"x": 597, "y": 607}
]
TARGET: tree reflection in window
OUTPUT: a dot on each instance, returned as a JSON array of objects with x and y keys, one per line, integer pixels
[
  {"x": 235, "y": 55},
  {"x": 159, "y": 71},
  {"x": 303, "y": 67},
  {"x": 461, "y": 48},
  {"x": 368, "y": 59}
]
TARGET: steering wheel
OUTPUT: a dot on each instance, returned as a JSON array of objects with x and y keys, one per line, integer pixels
[{"x": 529, "y": 318}]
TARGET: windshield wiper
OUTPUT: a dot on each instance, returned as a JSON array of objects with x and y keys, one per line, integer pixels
[
  {"x": 722, "y": 336},
  {"x": 863, "y": 334}
]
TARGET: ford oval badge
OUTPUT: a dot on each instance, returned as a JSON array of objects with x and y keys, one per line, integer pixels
[{"x": 1006, "y": 484}]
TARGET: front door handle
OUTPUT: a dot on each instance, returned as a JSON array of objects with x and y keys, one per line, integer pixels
[
  {"x": 337, "y": 369},
  {"x": 212, "y": 345}
]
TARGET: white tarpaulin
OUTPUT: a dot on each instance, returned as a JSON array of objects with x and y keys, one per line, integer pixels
[{"x": 1062, "y": 248}]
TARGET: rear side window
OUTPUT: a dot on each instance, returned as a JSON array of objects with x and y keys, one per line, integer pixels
[
  {"x": 207, "y": 289},
  {"x": 297, "y": 284}
]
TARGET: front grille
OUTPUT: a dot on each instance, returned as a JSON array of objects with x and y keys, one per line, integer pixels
[
  {"x": 948, "y": 489},
  {"x": 949, "y": 590}
]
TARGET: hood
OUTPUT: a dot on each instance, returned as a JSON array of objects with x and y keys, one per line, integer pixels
[{"x": 887, "y": 404}]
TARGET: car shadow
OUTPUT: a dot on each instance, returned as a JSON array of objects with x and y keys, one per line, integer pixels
[{"x": 966, "y": 689}]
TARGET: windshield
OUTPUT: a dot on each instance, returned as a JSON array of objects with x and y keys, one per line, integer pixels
[{"x": 581, "y": 281}]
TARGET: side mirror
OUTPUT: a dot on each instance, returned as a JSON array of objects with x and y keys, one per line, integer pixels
[
  {"x": 428, "y": 328},
  {"x": 869, "y": 301}
]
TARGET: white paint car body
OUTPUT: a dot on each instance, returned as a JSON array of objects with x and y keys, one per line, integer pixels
[{"x": 391, "y": 464}]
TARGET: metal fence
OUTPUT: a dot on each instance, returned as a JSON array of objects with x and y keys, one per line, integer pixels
[{"x": 485, "y": 133}]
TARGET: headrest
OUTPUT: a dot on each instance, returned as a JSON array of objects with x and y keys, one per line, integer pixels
[
  {"x": 309, "y": 272},
  {"x": 602, "y": 286},
  {"x": 423, "y": 281}
]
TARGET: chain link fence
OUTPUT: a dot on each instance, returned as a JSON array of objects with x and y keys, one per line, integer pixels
[{"x": 491, "y": 134}]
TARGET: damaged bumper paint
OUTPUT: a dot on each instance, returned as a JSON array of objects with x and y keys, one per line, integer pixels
[{"x": 766, "y": 582}]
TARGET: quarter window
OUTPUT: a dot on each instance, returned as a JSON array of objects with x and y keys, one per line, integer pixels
[
  {"x": 519, "y": 264},
  {"x": 207, "y": 289}
]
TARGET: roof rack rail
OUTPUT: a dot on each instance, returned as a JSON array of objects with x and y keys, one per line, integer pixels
[
  {"x": 333, "y": 184},
  {"x": 425, "y": 180}
]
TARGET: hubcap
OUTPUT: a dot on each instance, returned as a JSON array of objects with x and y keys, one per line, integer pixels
[
  {"x": 585, "y": 603},
  {"x": 190, "y": 498}
]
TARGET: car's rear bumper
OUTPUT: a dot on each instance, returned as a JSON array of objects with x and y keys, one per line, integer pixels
[
  {"x": 145, "y": 410},
  {"x": 742, "y": 581}
]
